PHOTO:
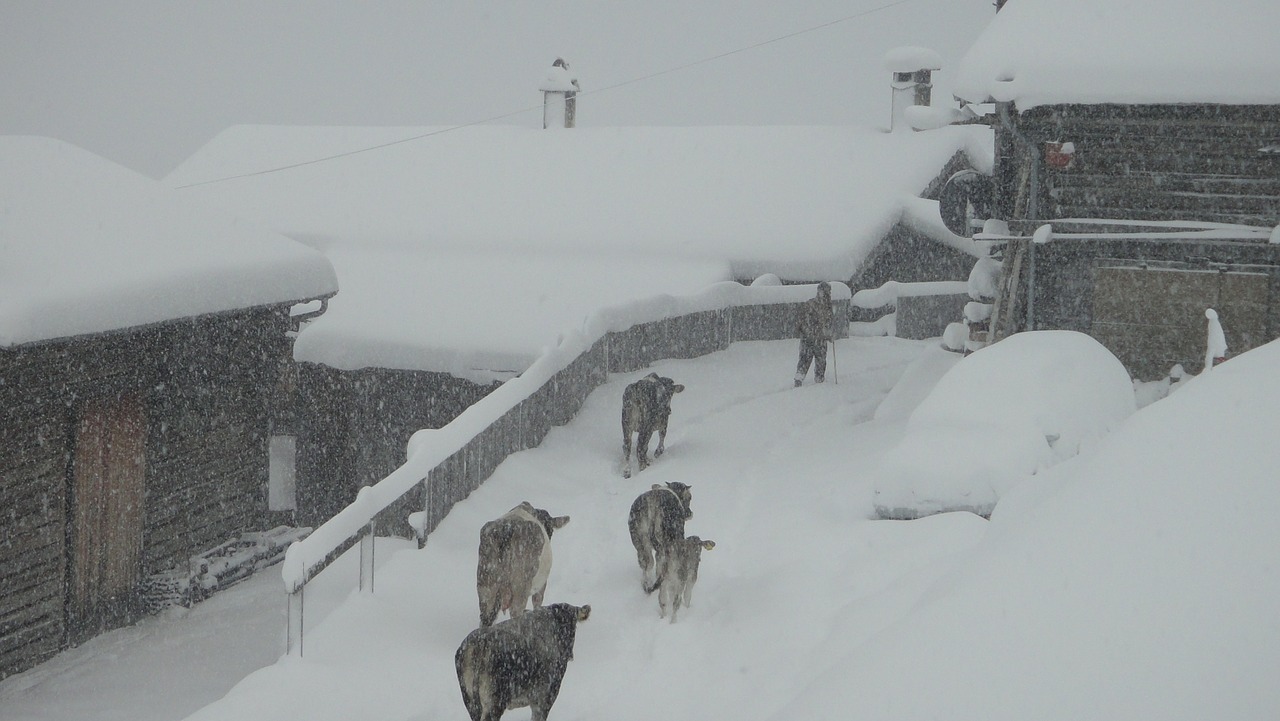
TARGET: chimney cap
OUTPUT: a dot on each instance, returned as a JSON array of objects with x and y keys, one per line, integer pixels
[
  {"x": 558, "y": 79},
  {"x": 910, "y": 58}
]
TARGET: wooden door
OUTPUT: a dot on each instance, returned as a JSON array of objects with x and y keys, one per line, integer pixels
[{"x": 107, "y": 513}]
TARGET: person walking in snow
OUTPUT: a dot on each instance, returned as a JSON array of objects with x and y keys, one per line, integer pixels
[{"x": 813, "y": 326}]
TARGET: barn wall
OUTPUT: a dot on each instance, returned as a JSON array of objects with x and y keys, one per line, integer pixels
[
  {"x": 909, "y": 257},
  {"x": 1162, "y": 162},
  {"x": 1066, "y": 291},
  {"x": 203, "y": 384},
  {"x": 207, "y": 448},
  {"x": 353, "y": 427},
  {"x": 33, "y": 489}
]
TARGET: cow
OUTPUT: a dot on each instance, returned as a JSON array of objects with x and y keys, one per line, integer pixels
[
  {"x": 518, "y": 662},
  {"x": 679, "y": 573},
  {"x": 646, "y": 407},
  {"x": 656, "y": 522},
  {"x": 515, "y": 560}
]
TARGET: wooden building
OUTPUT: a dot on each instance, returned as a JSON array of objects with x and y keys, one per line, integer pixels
[
  {"x": 141, "y": 340},
  {"x": 1155, "y": 162}
]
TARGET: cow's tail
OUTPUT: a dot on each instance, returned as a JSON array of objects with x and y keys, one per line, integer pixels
[{"x": 464, "y": 662}]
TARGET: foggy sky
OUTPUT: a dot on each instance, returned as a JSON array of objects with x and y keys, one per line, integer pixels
[{"x": 147, "y": 82}]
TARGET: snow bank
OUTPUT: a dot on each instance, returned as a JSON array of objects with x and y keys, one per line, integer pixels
[
  {"x": 87, "y": 246},
  {"x": 999, "y": 416},
  {"x": 1141, "y": 586}
]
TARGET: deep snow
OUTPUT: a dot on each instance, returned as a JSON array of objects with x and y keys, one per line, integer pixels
[{"x": 1133, "y": 581}]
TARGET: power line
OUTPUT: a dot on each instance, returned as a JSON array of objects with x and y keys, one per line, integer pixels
[{"x": 531, "y": 108}]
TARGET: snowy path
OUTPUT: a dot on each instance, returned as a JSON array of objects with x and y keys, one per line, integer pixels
[{"x": 778, "y": 482}]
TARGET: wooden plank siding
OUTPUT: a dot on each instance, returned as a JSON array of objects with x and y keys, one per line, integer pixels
[
  {"x": 1162, "y": 162},
  {"x": 33, "y": 471},
  {"x": 353, "y": 427},
  {"x": 204, "y": 388}
]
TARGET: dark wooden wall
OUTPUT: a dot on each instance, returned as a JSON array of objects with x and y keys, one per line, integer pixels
[
  {"x": 353, "y": 426},
  {"x": 206, "y": 387},
  {"x": 1161, "y": 162},
  {"x": 908, "y": 257},
  {"x": 1064, "y": 290}
]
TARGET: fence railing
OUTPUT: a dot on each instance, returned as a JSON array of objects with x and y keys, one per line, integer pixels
[{"x": 445, "y": 464}]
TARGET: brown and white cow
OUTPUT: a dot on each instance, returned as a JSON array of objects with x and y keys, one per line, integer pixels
[
  {"x": 646, "y": 408},
  {"x": 515, "y": 560},
  {"x": 518, "y": 662},
  {"x": 679, "y": 573},
  {"x": 656, "y": 522}
]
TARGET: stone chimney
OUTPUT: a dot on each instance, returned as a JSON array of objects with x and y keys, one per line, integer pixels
[
  {"x": 559, "y": 96},
  {"x": 912, "y": 68}
]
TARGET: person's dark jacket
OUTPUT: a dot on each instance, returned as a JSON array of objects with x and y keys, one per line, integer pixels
[{"x": 815, "y": 319}]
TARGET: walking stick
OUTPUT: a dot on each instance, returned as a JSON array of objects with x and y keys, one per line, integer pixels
[{"x": 835, "y": 368}]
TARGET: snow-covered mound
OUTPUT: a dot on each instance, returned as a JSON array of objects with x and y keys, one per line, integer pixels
[
  {"x": 999, "y": 416},
  {"x": 1141, "y": 586}
]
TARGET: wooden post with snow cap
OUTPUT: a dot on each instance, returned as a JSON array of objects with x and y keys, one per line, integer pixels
[
  {"x": 912, "y": 68},
  {"x": 559, "y": 96}
]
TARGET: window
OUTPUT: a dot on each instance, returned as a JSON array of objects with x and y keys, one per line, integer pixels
[{"x": 281, "y": 478}]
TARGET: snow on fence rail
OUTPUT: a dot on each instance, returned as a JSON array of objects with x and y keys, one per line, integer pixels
[{"x": 445, "y": 464}]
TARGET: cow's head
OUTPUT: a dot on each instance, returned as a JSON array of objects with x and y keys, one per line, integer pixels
[
  {"x": 567, "y": 617},
  {"x": 683, "y": 491},
  {"x": 706, "y": 545},
  {"x": 549, "y": 523},
  {"x": 668, "y": 388}
]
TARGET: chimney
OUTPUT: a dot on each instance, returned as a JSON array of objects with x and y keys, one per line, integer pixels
[
  {"x": 559, "y": 96},
  {"x": 912, "y": 68}
]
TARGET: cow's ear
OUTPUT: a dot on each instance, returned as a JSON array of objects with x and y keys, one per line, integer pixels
[
  {"x": 708, "y": 544},
  {"x": 583, "y": 611},
  {"x": 677, "y": 388},
  {"x": 559, "y": 521},
  {"x": 656, "y": 487}
]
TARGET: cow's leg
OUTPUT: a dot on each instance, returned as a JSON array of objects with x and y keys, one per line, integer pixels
[
  {"x": 488, "y": 606},
  {"x": 662, "y": 440},
  {"x": 661, "y": 564},
  {"x": 626, "y": 453},
  {"x": 642, "y": 446},
  {"x": 494, "y": 700},
  {"x": 519, "y": 600},
  {"x": 644, "y": 552},
  {"x": 664, "y": 600}
]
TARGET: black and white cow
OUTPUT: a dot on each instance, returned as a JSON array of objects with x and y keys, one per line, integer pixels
[
  {"x": 679, "y": 572},
  {"x": 646, "y": 407},
  {"x": 515, "y": 560},
  {"x": 518, "y": 662},
  {"x": 656, "y": 522}
]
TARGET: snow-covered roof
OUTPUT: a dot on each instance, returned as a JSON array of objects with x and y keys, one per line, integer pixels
[
  {"x": 474, "y": 247},
  {"x": 1048, "y": 52},
  {"x": 88, "y": 246}
]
